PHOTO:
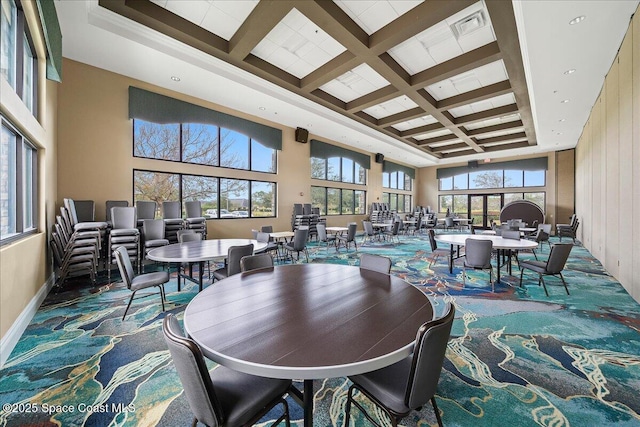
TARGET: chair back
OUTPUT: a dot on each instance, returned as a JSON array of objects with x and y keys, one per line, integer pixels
[
  {"x": 432, "y": 239},
  {"x": 373, "y": 262},
  {"x": 322, "y": 232},
  {"x": 395, "y": 227},
  {"x": 171, "y": 210},
  {"x": 428, "y": 357},
  {"x": 545, "y": 227},
  {"x": 70, "y": 205},
  {"x": 193, "y": 209},
  {"x": 194, "y": 376},
  {"x": 300, "y": 237},
  {"x": 153, "y": 229},
  {"x": 124, "y": 265},
  {"x": 85, "y": 210},
  {"x": 254, "y": 262},
  {"x": 189, "y": 237},
  {"x": 368, "y": 228},
  {"x": 262, "y": 237},
  {"x": 351, "y": 233},
  {"x": 146, "y": 209},
  {"x": 477, "y": 253},
  {"x": 541, "y": 236},
  {"x": 113, "y": 204},
  {"x": 511, "y": 234},
  {"x": 123, "y": 218},
  {"x": 234, "y": 256},
  {"x": 267, "y": 229},
  {"x": 448, "y": 222},
  {"x": 558, "y": 257}
]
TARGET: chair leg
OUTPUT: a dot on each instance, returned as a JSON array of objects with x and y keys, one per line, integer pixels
[
  {"x": 348, "y": 409},
  {"x": 544, "y": 285},
  {"x": 306, "y": 254},
  {"x": 564, "y": 283},
  {"x": 521, "y": 273},
  {"x": 128, "y": 305},
  {"x": 534, "y": 254},
  {"x": 436, "y": 411},
  {"x": 162, "y": 297}
]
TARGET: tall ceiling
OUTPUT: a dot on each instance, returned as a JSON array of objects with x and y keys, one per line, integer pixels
[{"x": 423, "y": 82}]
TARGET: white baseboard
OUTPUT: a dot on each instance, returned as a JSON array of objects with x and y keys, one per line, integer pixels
[{"x": 11, "y": 338}]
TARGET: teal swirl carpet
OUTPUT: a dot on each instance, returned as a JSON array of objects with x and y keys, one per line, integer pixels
[{"x": 515, "y": 357}]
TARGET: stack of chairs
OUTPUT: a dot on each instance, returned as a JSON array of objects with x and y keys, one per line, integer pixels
[
  {"x": 173, "y": 222},
  {"x": 125, "y": 233},
  {"x": 194, "y": 220},
  {"x": 75, "y": 253},
  {"x": 88, "y": 226}
]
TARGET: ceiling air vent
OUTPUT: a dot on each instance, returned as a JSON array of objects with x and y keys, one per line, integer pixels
[{"x": 469, "y": 24}]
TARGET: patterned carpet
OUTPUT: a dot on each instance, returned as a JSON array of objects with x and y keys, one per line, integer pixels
[{"x": 516, "y": 357}]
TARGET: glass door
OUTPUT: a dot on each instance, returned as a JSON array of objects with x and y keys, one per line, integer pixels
[{"x": 484, "y": 208}]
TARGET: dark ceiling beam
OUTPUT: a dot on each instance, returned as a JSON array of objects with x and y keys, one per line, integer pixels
[
  {"x": 402, "y": 116},
  {"x": 495, "y": 128},
  {"x": 420, "y": 18},
  {"x": 268, "y": 68},
  {"x": 422, "y": 129},
  {"x": 480, "y": 94},
  {"x": 502, "y": 138},
  {"x": 504, "y": 26},
  {"x": 488, "y": 114},
  {"x": 266, "y": 15},
  {"x": 374, "y": 98},
  {"x": 333, "y": 69},
  {"x": 437, "y": 139},
  {"x": 329, "y": 98},
  {"x": 461, "y": 64}
]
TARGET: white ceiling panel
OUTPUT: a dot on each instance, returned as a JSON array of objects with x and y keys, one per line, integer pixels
[
  {"x": 393, "y": 106},
  {"x": 445, "y": 143},
  {"x": 301, "y": 46},
  {"x": 441, "y": 43},
  {"x": 501, "y": 133},
  {"x": 355, "y": 83},
  {"x": 373, "y": 15},
  {"x": 475, "y": 79},
  {"x": 487, "y": 104},
  {"x": 420, "y": 121},
  {"x": 493, "y": 122},
  {"x": 433, "y": 134}
]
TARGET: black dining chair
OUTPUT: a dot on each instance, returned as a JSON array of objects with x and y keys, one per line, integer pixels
[
  {"x": 232, "y": 265},
  {"x": 411, "y": 383},
  {"x": 349, "y": 238},
  {"x": 299, "y": 243},
  {"x": 477, "y": 255},
  {"x": 436, "y": 252},
  {"x": 552, "y": 267},
  {"x": 254, "y": 262},
  {"x": 221, "y": 397}
]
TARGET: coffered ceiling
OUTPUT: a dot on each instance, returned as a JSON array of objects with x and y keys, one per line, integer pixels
[{"x": 432, "y": 81}]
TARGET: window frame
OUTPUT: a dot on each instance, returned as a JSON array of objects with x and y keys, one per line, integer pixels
[
  {"x": 218, "y": 178},
  {"x": 387, "y": 197},
  {"x": 354, "y": 206},
  {"x": 340, "y": 177},
  {"x": 451, "y": 181},
  {"x": 20, "y": 171}
]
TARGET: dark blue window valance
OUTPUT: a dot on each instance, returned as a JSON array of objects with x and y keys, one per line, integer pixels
[
  {"x": 536, "y": 164},
  {"x": 322, "y": 150},
  {"x": 394, "y": 167},
  {"x": 52, "y": 38},
  {"x": 157, "y": 108}
]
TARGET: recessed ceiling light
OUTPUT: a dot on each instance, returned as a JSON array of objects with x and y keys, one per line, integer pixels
[
  {"x": 175, "y": 78},
  {"x": 261, "y": 108},
  {"x": 559, "y": 133},
  {"x": 562, "y": 120},
  {"x": 564, "y": 101},
  {"x": 577, "y": 20},
  {"x": 571, "y": 71}
]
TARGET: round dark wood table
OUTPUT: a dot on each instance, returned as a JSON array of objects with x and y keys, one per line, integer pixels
[{"x": 307, "y": 321}]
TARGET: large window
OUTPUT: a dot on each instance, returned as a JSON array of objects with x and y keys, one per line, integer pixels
[
  {"x": 459, "y": 203},
  {"x": 203, "y": 144},
  {"x": 490, "y": 179},
  {"x": 220, "y": 197},
  {"x": 338, "y": 169},
  {"x": 18, "y": 178},
  {"x": 18, "y": 62},
  {"x": 397, "y": 180},
  {"x": 338, "y": 201},
  {"x": 398, "y": 202}
]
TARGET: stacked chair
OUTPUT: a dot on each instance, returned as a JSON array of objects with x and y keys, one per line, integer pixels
[
  {"x": 74, "y": 253},
  {"x": 113, "y": 204},
  {"x": 568, "y": 230},
  {"x": 172, "y": 215},
  {"x": 124, "y": 232},
  {"x": 195, "y": 221},
  {"x": 145, "y": 209},
  {"x": 88, "y": 226},
  {"x": 153, "y": 235}
]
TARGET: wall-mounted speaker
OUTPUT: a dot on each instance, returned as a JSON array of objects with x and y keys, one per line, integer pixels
[
  {"x": 473, "y": 164},
  {"x": 379, "y": 157},
  {"x": 302, "y": 135}
]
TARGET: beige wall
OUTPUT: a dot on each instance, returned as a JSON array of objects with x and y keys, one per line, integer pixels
[
  {"x": 427, "y": 192},
  {"x": 95, "y": 152},
  {"x": 608, "y": 168},
  {"x": 25, "y": 264}
]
